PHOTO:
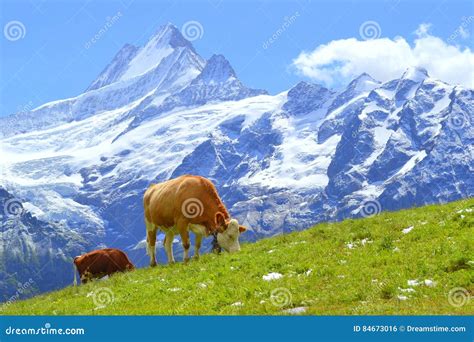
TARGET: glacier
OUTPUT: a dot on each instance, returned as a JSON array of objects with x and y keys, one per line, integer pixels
[{"x": 76, "y": 168}]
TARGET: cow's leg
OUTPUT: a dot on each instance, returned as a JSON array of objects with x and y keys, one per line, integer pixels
[
  {"x": 151, "y": 242},
  {"x": 216, "y": 248},
  {"x": 197, "y": 245},
  {"x": 169, "y": 237},
  {"x": 183, "y": 232},
  {"x": 151, "y": 248}
]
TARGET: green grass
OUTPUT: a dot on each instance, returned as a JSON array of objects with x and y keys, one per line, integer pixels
[{"x": 319, "y": 272}]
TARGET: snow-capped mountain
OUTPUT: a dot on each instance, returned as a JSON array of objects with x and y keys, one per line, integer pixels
[
  {"x": 36, "y": 255},
  {"x": 165, "y": 65},
  {"x": 282, "y": 162}
]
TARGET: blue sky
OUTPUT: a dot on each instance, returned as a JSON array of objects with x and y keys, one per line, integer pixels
[{"x": 51, "y": 61}]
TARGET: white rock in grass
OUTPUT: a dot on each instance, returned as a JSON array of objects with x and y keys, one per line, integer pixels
[
  {"x": 413, "y": 282},
  {"x": 296, "y": 311},
  {"x": 400, "y": 297},
  {"x": 271, "y": 251},
  {"x": 174, "y": 289},
  {"x": 406, "y": 290},
  {"x": 308, "y": 272},
  {"x": 298, "y": 242},
  {"x": 202, "y": 285},
  {"x": 430, "y": 283},
  {"x": 272, "y": 276},
  {"x": 237, "y": 304},
  {"x": 262, "y": 302},
  {"x": 350, "y": 245},
  {"x": 407, "y": 230}
]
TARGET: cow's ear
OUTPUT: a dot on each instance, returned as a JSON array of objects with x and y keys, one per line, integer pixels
[
  {"x": 220, "y": 219},
  {"x": 242, "y": 228}
]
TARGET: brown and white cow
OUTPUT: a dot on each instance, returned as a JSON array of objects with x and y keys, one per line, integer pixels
[
  {"x": 102, "y": 262},
  {"x": 188, "y": 203}
]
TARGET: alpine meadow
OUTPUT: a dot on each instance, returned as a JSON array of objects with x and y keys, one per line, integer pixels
[{"x": 410, "y": 262}]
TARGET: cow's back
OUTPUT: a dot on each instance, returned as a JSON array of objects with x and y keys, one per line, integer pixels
[
  {"x": 104, "y": 261},
  {"x": 119, "y": 259},
  {"x": 166, "y": 202}
]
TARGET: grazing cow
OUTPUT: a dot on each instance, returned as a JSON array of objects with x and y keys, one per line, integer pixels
[
  {"x": 188, "y": 203},
  {"x": 102, "y": 262}
]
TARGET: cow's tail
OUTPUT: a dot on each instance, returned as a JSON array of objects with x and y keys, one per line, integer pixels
[{"x": 74, "y": 268}]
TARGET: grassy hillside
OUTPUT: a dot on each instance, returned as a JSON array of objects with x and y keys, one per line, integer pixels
[{"x": 353, "y": 267}]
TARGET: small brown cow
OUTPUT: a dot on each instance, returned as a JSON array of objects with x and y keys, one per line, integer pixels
[
  {"x": 102, "y": 262},
  {"x": 188, "y": 203}
]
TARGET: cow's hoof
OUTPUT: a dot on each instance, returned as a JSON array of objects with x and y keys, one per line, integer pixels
[
  {"x": 186, "y": 260},
  {"x": 152, "y": 264},
  {"x": 196, "y": 257}
]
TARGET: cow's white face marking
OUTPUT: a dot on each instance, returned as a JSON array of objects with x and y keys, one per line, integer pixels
[{"x": 229, "y": 239}]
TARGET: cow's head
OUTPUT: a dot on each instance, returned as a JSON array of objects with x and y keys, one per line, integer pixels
[{"x": 228, "y": 234}]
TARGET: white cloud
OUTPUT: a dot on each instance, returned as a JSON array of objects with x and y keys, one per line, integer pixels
[{"x": 339, "y": 61}]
